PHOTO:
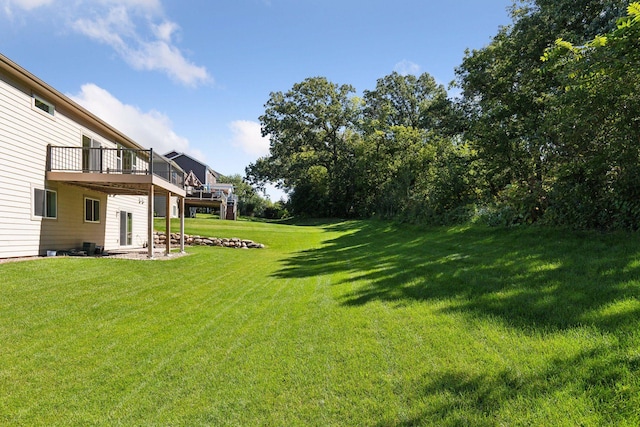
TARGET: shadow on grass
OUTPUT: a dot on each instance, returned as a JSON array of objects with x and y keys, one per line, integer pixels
[
  {"x": 538, "y": 280},
  {"x": 472, "y": 399},
  {"x": 306, "y": 221},
  {"x": 531, "y": 278}
]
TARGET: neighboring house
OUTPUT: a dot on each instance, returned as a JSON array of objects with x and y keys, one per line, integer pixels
[
  {"x": 67, "y": 177},
  {"x": 203, "y": 172},
  {"x": 203, "y": 189}
]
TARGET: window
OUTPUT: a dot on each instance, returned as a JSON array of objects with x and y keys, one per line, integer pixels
[
  {"x": 91, "y": 210},
  {"x": 43, "y": 105},
  {"x": 129, "y": 161},
  {"x": 119, "y": 157},
  {"x": 91, "y": 155},
  {"x": 126, "y": 228},
  {"x": 126, "y": 158},
  {"x": 45, "y": 203}
]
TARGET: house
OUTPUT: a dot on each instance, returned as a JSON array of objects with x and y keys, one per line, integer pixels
[
  {"x": 203, "y": 189},
  {"x": 203, "y": 172},
  {"x": 67, "y": 177}
]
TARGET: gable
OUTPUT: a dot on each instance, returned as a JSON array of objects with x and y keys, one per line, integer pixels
[{"x": 192, "y": 180}]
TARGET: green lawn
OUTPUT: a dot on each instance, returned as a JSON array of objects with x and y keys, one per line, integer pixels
[{"x": 341, "y": 323}]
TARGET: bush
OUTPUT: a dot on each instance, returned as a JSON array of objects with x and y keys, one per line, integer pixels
[{"x": 276, "y": 211}]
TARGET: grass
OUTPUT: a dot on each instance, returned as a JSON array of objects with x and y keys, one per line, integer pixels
[{"x": 336, "y": 323}]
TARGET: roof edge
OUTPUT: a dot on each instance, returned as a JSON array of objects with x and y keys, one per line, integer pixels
[{"x": 43, "y": 89}]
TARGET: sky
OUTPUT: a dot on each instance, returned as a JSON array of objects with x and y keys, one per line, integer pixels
[{"x": 194, "y": 75}]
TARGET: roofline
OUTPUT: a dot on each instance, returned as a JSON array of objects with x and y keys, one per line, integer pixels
[
  {"x": 43, "y": 89},
  {"x": 217, "y": 174}
]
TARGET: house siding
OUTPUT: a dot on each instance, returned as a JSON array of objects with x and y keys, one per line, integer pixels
[
  {"x": 205, "y": 174},
  {"x": 137, "y": 205},
  {"x": 160, "y": 207},
  {"x": 68, "y": 230},
  {"x": 211, "y": 178},
  {"x": 25, "y": 132}
]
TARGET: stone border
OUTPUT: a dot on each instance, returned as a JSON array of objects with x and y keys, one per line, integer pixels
[{"x": 160, "y": 239}]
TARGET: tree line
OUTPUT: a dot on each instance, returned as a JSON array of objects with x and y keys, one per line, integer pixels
[
  {"x": 251, "y": 202},
  {"x": 546, "y": 130}
]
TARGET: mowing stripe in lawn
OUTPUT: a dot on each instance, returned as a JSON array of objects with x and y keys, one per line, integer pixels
[{"x": 343, "y": 323}]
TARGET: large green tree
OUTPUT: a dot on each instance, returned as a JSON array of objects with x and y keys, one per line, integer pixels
[
  {"x": 413, "y": 164},
  {"x": 310, "y": 154},
  {"x": 554, "y": 141},
  {"x": 406, "y": 100},
  {"x": 507, "y": 97},
  {"x": 597, "y": 170},
  {"x": 250, "y": 202}
]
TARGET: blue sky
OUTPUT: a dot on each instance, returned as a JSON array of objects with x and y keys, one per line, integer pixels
[{"x": 193, "y": 75}]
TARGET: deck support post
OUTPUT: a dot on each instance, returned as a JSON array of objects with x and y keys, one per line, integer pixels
[
  {"x": 150, "y": 223},
  {"x": 167, "y": 217},
  {"x": 181, "y": 225}
]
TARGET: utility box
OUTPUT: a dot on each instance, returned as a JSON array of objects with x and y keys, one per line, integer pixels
[{"x": 89, "y": 248}]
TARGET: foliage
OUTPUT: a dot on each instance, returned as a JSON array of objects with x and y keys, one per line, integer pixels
[
  {"x": 420, "y": 170},
  {"x": 407, "y": 101},
  {"x": 513, "y": 124},
  {"x": 390, "y": 154},
  {"x": 598, "y": 171},
  {"x": 309, "y": 152},
  {"x": 277, "y": 210},
  {"x": 551, "y": 141},
  {"x": 250, "y": 203}
]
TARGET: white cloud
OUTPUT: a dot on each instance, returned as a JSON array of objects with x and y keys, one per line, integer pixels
[
  {"x": 160, "y": 55},
  {"x": 135, "y": 29},
  {"x": 405, "y": 68},
  {"x": 165, "y": 30},
  {"x": 8, "y": 6},
  {"x": 150, "y": 129},
  {"x": 248, "y": 136},
  {"x": 150, "y": 6},
  {"x": 109, "y": 30},
  {"x": 26, "y": 4},
  {"x": 118, "y": 29}
]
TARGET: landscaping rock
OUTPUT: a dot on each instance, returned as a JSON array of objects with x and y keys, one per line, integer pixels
[{"x": 160, "y": 239}]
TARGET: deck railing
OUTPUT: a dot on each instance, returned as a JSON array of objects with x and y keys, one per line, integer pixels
[
  {"x": 207, "y": 194},
  {"x": 113, "y": 161}
]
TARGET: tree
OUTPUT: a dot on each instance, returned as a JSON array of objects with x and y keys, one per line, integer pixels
[
  {"x": 596, "y": 116},
  {"x": 250, "y": 203},
  {"x": 310, "y": 154},
  {"x": 409, "y": 150},
  {"x": 409, "y": 101},
  {"x": 507, "y": 98}
]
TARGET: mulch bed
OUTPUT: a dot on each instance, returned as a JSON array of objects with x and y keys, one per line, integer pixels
[{"x": 141, "y": 255}]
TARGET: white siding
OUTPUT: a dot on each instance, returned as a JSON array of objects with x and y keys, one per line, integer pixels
[
  {"x": 69, "y": 230},
  {"x": 160, "y": 207},
  {"x": 22, "y": 164},
  {"x": 24, "y": 134},
  {"x": 137, "y": 205}
]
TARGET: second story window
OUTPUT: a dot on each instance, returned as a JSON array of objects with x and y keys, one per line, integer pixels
[
  {"x": 43, "y": 105},
  {"x": 91, "y": 155}
]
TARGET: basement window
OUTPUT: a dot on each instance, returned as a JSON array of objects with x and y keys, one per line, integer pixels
[{"x": 91, "y": 210}]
